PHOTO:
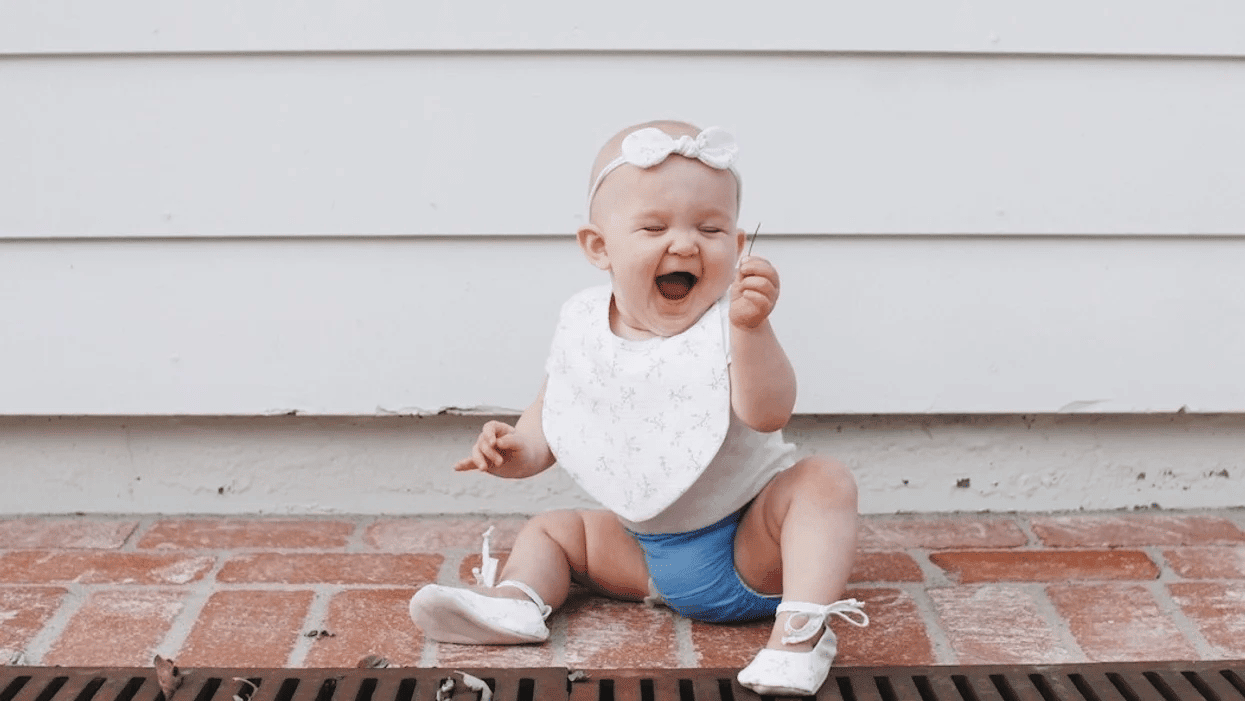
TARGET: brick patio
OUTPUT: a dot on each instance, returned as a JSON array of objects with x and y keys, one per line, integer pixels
[{"x": 325, "y": 592}]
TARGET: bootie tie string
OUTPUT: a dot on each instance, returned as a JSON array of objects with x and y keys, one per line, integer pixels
[{"x": 850, "y": 610}]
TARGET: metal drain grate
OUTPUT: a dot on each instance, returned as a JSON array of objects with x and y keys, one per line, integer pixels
[{"x": 1171, "y": 681}]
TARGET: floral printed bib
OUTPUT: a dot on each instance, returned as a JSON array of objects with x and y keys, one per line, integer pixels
[{"x": 635, "y": 422}]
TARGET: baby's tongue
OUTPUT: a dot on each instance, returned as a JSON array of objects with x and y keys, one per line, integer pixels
[{"x": 675, "y": 285}]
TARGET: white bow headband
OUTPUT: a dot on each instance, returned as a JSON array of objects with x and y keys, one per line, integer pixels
[{"x": 647, "y": 147}]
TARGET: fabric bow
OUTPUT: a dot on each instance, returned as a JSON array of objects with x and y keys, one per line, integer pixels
[
  {"x": 715, "y": 147},
  {"x": 647, "y": 147}
]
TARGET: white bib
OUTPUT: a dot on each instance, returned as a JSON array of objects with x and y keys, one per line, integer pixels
[{"x": 635, "y": 422}]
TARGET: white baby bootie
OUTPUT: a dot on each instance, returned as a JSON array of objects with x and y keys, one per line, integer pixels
[
  {"x": 786, "y": 673},
  {"x": 451, "y": 615}
]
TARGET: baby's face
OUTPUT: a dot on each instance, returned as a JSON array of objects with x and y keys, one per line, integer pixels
[{"x": 670, "y": 243}]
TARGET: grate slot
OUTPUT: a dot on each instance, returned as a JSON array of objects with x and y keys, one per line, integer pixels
[
  {"x": 129, "y": 691},
  {"x": 327, "y": 688},
  {"x": 925, "y": 689},
  {"x": 943, "y": 688},
  {"x": 210, "y": 688},
  {"x": 1057, "y": 687},
  {"x": 903, "y": 686},
  {"x": 1235, "y": 680},
  {"x": 865, "y": 688},
  {"x": 13, "y": 687},
  {"x": 389, "y": 688},
  {"x": 1181, "y": 686},
  {"x": 1211, "y": 686},
  {"x": 1132, "y": 678},
  {"x": 1004, "y": 687},
  {"x": 52, "y": 689},
  {"x": 979, "y": 685},
  {"x": 1162, "y": 685}
]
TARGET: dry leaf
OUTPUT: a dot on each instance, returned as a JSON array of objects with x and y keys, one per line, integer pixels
[
  {"x": 476, "y": 684},
  {"x": 238, "y": 696},
  {"x": 373, "y": 662},
  {"x": 168, "y": 676},
  {"x": 445, "y": 690}
]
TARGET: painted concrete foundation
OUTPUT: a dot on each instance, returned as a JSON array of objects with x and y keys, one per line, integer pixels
[{"x": 401, "y": 465}]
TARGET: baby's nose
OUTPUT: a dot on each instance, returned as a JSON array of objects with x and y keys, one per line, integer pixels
[{"x": 682, "y": 242}]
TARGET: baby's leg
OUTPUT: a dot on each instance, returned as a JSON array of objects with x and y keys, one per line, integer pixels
[
  {"x": 591, "y": 546},
  {"x": 799, "y": 538}
]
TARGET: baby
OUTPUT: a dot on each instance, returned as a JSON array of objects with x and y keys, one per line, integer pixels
[{"x": 665, "y": 395}]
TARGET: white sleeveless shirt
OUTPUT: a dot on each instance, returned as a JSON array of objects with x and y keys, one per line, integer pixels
[{"x": 646, "y": 425}]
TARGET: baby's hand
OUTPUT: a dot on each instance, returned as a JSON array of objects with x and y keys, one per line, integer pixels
[
  {"x": 754, "y": 292},
  {"x": 497, "y": 445}
]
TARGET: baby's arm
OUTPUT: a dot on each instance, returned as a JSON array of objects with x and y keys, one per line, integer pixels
[
  {"x": 512, "y": 451},
  {"x": 762, "y": 380}
]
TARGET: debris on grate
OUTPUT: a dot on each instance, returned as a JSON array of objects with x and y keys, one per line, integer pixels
[
  {"x": 168, "y": 676},
  {"x": 1166, "y": 681},
  {"x": 374, "y": 662}
]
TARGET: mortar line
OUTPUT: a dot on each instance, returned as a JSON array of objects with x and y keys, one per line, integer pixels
[
  {"x": 684, "y": 646},
  {"x": 192, "y": 607},
  {"x": 939, "y": 641},
  {"x": 1167, "y": 605},
  {"x": 316, "y": 619},
  {"x": 1059, "y": 624},
  {"x": 41, "y": 643}
]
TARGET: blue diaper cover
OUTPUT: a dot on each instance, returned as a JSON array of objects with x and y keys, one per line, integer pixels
[{"x": 695, "y": 573}]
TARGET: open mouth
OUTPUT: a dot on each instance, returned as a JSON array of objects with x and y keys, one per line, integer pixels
[{"x": 675, "y": 286}]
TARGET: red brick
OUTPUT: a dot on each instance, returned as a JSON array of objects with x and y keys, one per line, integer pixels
[
  {"x": 368, "y": 622},
  {"x": 998, "y": 624},
  {"x": 435, "y": 535},
  {"x": 233, "y": 533},
  {"x": 83, "y": 532},
  {"x": 117, "y": 629},
  {"x": 465, "y": 575},
  {"x": 1132, "y": 530},
  {"x": 1207, "y": 563},
  {"x": 246, "y": 629},
  {"x": 886, "y": 567},
  {"x": 898, "y": 533},
  {"x": 729, "y": 645},
  {"x": 611, "y": 634},
  {"x": 896, "y": 635},
  {"x": 331, "y": 568},
  {"x": 23, "y": 613},
  {"x": 1119, "y": 623},
  {"x": 1218, "y": 609},
  {"x": 102, "y": 567},
  {"x": 971, "y": 566},
  {"x": 507, "y": 656}
]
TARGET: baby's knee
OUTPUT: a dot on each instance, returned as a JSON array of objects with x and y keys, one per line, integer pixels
[
  {"x": 826, "y": 477},
  {"x": 563, "y": 526}
]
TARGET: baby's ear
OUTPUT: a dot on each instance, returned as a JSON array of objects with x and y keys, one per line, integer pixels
[
  {"x": 593, "y": 243},
  {"x": 741, "y": 238}
]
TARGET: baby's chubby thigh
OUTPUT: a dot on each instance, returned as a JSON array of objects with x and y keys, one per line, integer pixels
[
  {"x": 599, "y": 552},
  {"x": 806, "y": 512}
]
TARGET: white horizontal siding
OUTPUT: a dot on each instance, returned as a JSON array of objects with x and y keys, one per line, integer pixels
[
  {"x": 1189, "y": 27},
  {"x": 362, "y": 327},
  {"x": 499, "y": 144},
  {"x": 332, "y": 208}
]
